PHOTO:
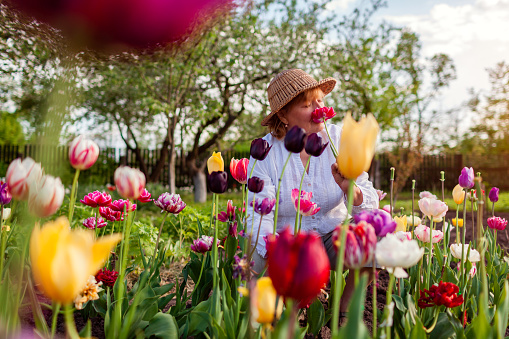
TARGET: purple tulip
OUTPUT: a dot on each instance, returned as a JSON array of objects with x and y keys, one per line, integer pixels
[
  {"x": 265, "y": 206},
  {"x": 379, "y": 219},
  {"x": 314, "y": 145},
  {"x": 171, "y": 203},
  {"x": 493, "y": 194},
  {"x": 295, "y": 139},
  {"x": 259, "y": 149},
  {"x": 466, "y": 179},
  {"x": 203, "y": 244},
  {"x": 5, "y": 195},
  {"x": 255, "y": 184},
  {"x": 232, "y": 229},
  {"x": 218, "y": 182},
  {"x": 242, "y": 268},
  {"x": 91, "y": 223}
]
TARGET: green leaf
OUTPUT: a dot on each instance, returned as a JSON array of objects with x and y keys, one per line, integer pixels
[
  {"x": 316, "y": 317},
  {"x": 86, "y": 332},
  {"x": 443, "y": 328},
  {"x": 162, "y": 326},
  {"x": 502, "y": 313},
  {"x": 355, "y": 327}
]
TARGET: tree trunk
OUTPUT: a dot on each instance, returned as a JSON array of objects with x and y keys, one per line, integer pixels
[
  {"x": 171, "y": 171},
  {"x": 200, "y": 187}
]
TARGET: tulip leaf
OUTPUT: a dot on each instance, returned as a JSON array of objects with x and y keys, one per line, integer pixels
[
  {"x": 86, "y": 332},
  {"x": 163, "y": 326},
  {"x": 502, "y": 313},
  {"x": 316, "y": 317},
  {"x": 355, "y": 327},
  {"x": 418, "y": 331},
  {"x": 443, "y": 328}
]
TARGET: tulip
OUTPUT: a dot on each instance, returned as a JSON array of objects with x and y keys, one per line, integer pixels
[
  {"x": 5, "y": 195},
  {"x": 497, "y": 223},
  {"x": 88, "y": 293},
  {"x": 110, "y": 215},
  {"x": 107, "y": 277},
  {"x": 203, "y": 244},
  {"x": 218, "y": 182},
  {"x": 457, "y": 222},
  {"x": 314, "y": 145},
  {"x": 130, "y": 182},
  {"x": 322, "y": 114},
  {"x": 46, "y": 196},
  {"x": 379, "y": 219},
  {"x": 92, "y": 223},
  {"x": 232, "y": 229},
  {"x": 401, "y": 223},
  {"x": 265, "y": 206},
  {"x": 359, "y": 246},
  {"x": 307, "y": 207},
  {"x": 466, "y": 178},
  {"x": 263, "y": 302},
  {"x": 215, "y": 163},
  {"x": 6, "y": 213},
  {"x": 120, "y": 205},
  {"x": 145, "y": 196},
  {"x": 357, "y": 145},
  {"x": 493, "y": 195},
  {"x": 259, "y": 149},
  {"x": 238, "y": 170},
  {"x": 396, "y": 254},
  {"x": 298, "y": 265},
  {"x": 413, "y": 220},
  {"x": 229, "y": 215},
  {"x": 426, "y": 194},
  {"x": 83, "y": 153},
  {"x": 255, "y": 184},
  {"x": 387, "y": 208},
  {"x": 474, "y": 255},
  {"x": 403, "y": 235},
  {"x": 96, "y": 199},
  {"x": 171, "y": 203},
  {"x": 433, "y": 208},
  {"x": 381, "y": 195},
  {"x": 458, "y": 195},
  {"x": 110, "y": 187},
  {"x": 295, "y": 139},
  {"x": 20, "y": 176},
  {"x": 422, "y": 233},
  {"x": 444, "y": 294},
  {"x": 62, "y": 260},
  {"x": 242, "y": 268}
]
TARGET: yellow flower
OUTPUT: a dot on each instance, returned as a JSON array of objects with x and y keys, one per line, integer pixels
[
  {"x": 401, "y": 223},
  {"x": 416, "y": 220},
  {"x": 215, "y": 163},
  {"x": 263, "y": 301},
  {"x": 357, "y": 145},
  {"x": 62, "y": 260},
  {"x": 458, "y": 195},
  {"x": 459, "y": 222}
]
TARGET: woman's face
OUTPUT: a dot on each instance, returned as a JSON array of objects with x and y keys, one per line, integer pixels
[{"x": 299, "y": 114}]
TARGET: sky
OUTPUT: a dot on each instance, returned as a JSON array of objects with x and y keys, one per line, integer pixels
[{"x": 474, "y": 33}]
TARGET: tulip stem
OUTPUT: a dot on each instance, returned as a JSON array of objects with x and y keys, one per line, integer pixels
[
  {"x": 197, "y": 283},
  {"x": 392, "y": 189},
  {"x": 215, "y": 197},
  {"x": 413, "y": 216},
  {"x": 430, "y": 257},
  {"x": 73, "y": 195},
  {"x": 492, "y": 209},
  {"x": 473, "y": 220},
  {"x": 332, "y": 147},
  {"x": 246, "y": 200},
  {"x": 69, "y": 322},
  {"x": 256, "y": 242},
  {"x": 298, "y": 217},
  {"x": 278, "y": 191},
  {"x": 54, "y": 316},
  {"x": 458, "y": 224},
  {"x": 387, "y": 312},
  {"x": 435, "y": 320},
  {"x": 159, "y": 237},
  {"x": 339, "y": 264}
]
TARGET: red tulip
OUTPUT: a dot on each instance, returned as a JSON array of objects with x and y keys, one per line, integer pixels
[
  {"x": 298, "y": 266},
  {"x": 444, "y": 294},
  {"x": 238, "y": 170}
]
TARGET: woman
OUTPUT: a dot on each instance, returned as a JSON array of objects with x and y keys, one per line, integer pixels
[{"x": 293, "y": 95}]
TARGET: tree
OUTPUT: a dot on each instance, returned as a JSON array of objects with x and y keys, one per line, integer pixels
[{"x": 11, "y": 132}]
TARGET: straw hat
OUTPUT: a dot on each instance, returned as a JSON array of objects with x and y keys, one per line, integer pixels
[{"x": 288, "y": 84}]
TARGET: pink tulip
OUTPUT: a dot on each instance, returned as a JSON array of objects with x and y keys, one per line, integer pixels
[
  {"x": 387, "y": 208},
  {"x": 238, "y": 170},
  {"x": 83, "y": 153},
  {"x": 46, "y": 196},
  {"x": 426, "y": 194},
  {"x": 93, "y": 223},
  {"x": 96, "y": 199},
  {"x": 433, "y": 208},
  {"x": 497, "y": 223},
  {"x": 229, "y": 215},
  {"x": 360, "y": 244},
  {"x": 422, "y": 233},
  {"x": 307, "y": 207},
  {"x": 322, "y": 114},
  {"x": 171, "y": 203},
  {"x": 403, "y": 236},
  {"x": 203, "y": 244},
  {"x": 20, "y": 175},
  {"x": 145, "y": 196},
  {"x": 110, "y": 215},
  {"x": 120, "y": 204},
  {"x": 130, "y": 182}
]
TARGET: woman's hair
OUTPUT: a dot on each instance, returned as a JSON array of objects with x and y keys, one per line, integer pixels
[{"x": 276, "y": 127}]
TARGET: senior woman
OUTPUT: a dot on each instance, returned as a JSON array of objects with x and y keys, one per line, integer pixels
[{"x": 293, "y": 95}]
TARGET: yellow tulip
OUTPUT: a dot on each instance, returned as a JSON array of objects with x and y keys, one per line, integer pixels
[
  {"x": 63, "y": 260},
  {"x": 416, "y": 220},
  {"x": 459, "y": 223},
  {"x": 215, "y": 163},
  {"x": 357, "y": 145},
  {"x": 401, "y": 223},
  {"x": 458, "y": 195},
  {"x": 263, "y": 301}
]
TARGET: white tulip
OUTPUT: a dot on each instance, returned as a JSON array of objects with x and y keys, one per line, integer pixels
[
  {"x": 20, "y": 175},
  {"x": 473, "y": 256},
  {"x": 396, "y": 254},
  {"x": 46, "y": 196},
  {"x": 6, "y": 213}
]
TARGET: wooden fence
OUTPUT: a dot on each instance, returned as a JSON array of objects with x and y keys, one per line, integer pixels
[{"x": 494, "y": 168}]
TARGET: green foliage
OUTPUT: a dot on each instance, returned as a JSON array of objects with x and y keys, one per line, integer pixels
[{"x": 11, "y": 132}]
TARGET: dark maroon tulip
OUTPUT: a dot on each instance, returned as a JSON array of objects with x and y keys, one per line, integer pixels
[
  {"x": 107, "y": 277},
  {"x": 259, "y": 149},
  {"x": 314, "y": 145},
  {"x": 255, "y": 184},
  {"x": 493, "y": 194},
  {"x": 298, "y": 266},
  {"x": 295, "y": 139},
  {"x": 218, "y": 182}
]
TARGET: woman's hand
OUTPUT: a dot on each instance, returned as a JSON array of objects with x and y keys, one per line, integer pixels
[{"x": 343, "y": 183}]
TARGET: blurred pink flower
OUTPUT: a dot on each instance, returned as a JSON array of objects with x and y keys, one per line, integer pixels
[
  {"x": 426, "y": 194},
  {"x": 19, "y": 176},
  {"x": 145, "y": 196},
  {"x": 403, "y": 235},
  {"x": 110, "y": 214},
  {"x": 381, "y": 195},
  {"x": 422, "y": 233},
  {"x": 92, "y": 223},
  {"x": 360, "y": 244},
  {"x": 83, "y": 153},
  {"x": 307, "y": 207},
  {"x": 497, "y": 223},
  {"x": 203, "y": 244},
  {"x": 433, "y": 208},
  {"x": 130, "y": 182},
  {"x": 171, "y": 203},
  {"x": 96, "y": 198},
  {"x": 45, "y": 196},
  {"x": 118, "y": 205}
]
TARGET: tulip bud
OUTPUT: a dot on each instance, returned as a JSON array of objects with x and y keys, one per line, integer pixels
[
  {"x": 218, "y": 182},
  {"x": 215, "y": 163},
  {"x": 130, "y": 182},
  {"x": 255, "y": 184},
  {"x": 46, "y": 196},
  {"x": 20, "y": 175},
  {"x": 259, "y": 149},
  {"x": 295, "y": 139},
  {"x": 238, "y": 170},
  {"x": 5, "y": 195},
  {"x": 83, "y": 153},
  {"x": 263, "y": 302},
  {"x": 314, "y": 145},
  {"x": 493, "y": 195},
  {"x": 265, "y": 206},
  {"x": 466, "y": 178},
  {"x": 203, "y": 244},
  {"x": 458, "y": 195}
]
